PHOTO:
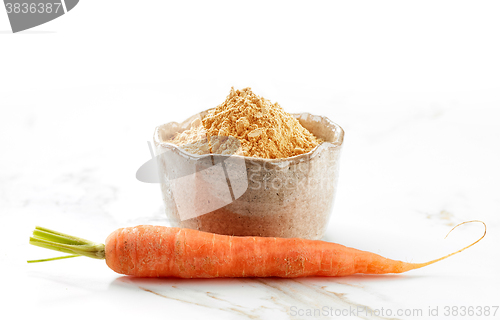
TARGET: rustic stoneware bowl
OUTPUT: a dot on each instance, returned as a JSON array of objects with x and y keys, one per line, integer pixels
[{"x": 245, "y": 196}]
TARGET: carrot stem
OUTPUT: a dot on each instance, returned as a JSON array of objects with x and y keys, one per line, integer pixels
[
  {"x": 61, "y": 242},
  {"x": 56, "y": 258},
  {"x": 67, "y": 236},
  {"x": 37, "y": 234}
]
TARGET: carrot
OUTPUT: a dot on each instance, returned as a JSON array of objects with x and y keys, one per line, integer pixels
[{"x": 156, "y": 251}]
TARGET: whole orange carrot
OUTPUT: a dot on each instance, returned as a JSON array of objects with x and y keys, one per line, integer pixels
[{"x": 156, "y": 251}]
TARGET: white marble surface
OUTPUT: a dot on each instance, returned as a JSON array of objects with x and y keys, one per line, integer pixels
[
  {"x": 412, "y": 167},
  {"x": 415, "y": 85}
]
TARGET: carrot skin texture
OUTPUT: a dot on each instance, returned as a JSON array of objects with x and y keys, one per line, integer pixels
[{"x": 157, "y": 251}]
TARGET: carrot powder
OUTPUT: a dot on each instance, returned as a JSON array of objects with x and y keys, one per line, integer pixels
[{"x": 157, "y": 251}]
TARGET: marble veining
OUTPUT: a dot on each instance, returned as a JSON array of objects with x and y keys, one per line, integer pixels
[{"x": 268, "y": 294}]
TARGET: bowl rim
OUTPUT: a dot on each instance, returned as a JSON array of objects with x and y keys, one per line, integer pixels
[{"x": 337, "y": 144}]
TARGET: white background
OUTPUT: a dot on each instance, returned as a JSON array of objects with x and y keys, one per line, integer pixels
[{"x": 415, "y": 85}]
